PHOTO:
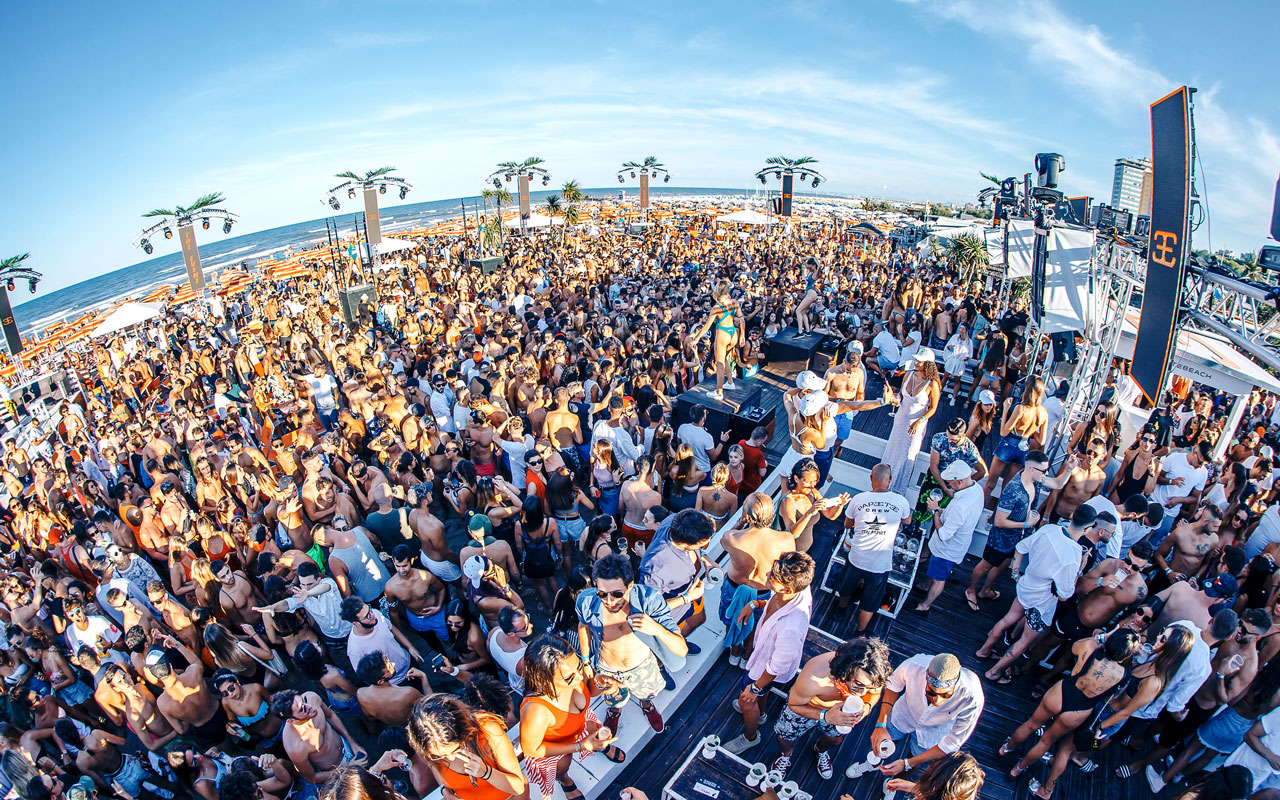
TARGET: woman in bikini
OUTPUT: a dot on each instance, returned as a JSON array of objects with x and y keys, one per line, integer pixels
[
  {"x": 1139, "y": 470},
  {"x": 716, "y": 501},
  {"x": 726, "y": 318}
]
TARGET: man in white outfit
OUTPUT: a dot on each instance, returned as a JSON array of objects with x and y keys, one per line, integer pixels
[{"x": 952, "y": 527}]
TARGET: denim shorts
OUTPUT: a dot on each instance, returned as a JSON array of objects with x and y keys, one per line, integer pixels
[
  {"x": 1224, "y": 731},
  {"x": 1012, "y": 450}
]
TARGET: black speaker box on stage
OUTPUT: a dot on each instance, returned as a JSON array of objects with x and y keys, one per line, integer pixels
[
  {"x": 740, "y": 412},
  {"x": 791, "y": 352},
  {"x": 349, "y": 299},
  {"x": 827, "y": 354}
]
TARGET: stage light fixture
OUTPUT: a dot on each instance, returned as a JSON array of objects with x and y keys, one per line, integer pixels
[
  {"x": 146, "y": 246},
  {"x": 778, "y": 174},
  {"x": 762, "y": 180},
  {"x": 404, "y": 192},
  {"x": 32, "y": 286},
  {"x": 11, "y": 285},
  {"x": 333, "y": 203},
  {"x": 226, "y": 226},
  {"x": 666, "y": 179},
  {"x": 621, "y": 179},
  {"x": 815, "y": 183},
  {"x": 351, "y": 193},
  {"x": 168, "y": 234},
  {"x": 508, "y": 178},
  {"x": 633, "y": 173},
  {"x": 546, "y": 180},
  {"x": 205, "y": 223},
  {"x": 382, "y": 189}
]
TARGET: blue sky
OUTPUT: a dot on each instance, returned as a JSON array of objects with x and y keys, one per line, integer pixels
[{"x": 124, "y": 107}]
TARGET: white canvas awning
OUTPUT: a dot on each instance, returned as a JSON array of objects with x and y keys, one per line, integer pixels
[
  {"x": 1204, "y": 358},
  {"x": 126, "y": 316},
  {"x": 534, "y": 221},
  {"x": 746, "y": 217},
  {"x": 390, "y": 245}
]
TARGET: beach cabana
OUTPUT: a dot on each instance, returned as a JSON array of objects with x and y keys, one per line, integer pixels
[
  {"x": 126, "y": 316},
  {"x": 745, "y": 217},
  {"x": 534, "y": 221},
  {"x": 390, "y": 245}
]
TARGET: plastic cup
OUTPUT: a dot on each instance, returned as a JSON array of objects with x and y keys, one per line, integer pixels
[
  {"x": 715, "y": 575},
  {"x": 772, "y": 779},
  {"x": 709, "y": 746},
  {"x": 756, "y": 774},
  {"x": 789, "y": 790},
  {"x": 887, "y": 748},
  {"x": 873, "y": 759}
]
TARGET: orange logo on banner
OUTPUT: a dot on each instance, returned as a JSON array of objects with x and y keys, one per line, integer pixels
[{"x": 1163, "y": 243}]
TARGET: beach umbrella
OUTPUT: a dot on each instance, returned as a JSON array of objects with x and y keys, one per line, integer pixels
[{"x": 126, "y": 316}]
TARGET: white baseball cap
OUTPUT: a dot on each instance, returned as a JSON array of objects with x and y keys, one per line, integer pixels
[
  {"x": 923, "y": 354},
  {"x": 957, "y": 470},
  {"x": 810, "y": 381},
  {"x": 987, "y": 397},
  {"x": 813, "y": 402}
]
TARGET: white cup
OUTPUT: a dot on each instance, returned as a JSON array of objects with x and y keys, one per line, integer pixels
[
  {"x": 772, "y": 778},
  {"x": 889, "y": 794},
  {"x": 715, "y": 575},
  {"x": 710, "y": 745},
  {"x": 789, "y": 790},
  {"x": 887, "y": 748},
  {"x": 756, "y": 774},
  {"x": 873, "y": 759}
]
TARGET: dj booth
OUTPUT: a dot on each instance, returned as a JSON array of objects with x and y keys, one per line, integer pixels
[
  {"x": 740, "y": 412},
  {"x": 792, "y": 352}
]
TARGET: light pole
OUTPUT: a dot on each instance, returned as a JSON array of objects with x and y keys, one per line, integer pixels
[
  {"x": 786, "y": 170},
  {"x": 11, "y": 270},
  {"x": 649, "y": 167},
  {"x": 374, "y": 183},
  {"x": 206, "y": 209},
  {"x": 523, "y": 172}
]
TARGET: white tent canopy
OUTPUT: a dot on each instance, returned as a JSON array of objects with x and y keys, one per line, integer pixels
[
  {"x": 746, "y": 217},
  {"x": 390, "y": 245},
  {"x": 126, "y": 316},
  {"x": 1204, "y": 358},
  {"x": 534, "y": 221}
]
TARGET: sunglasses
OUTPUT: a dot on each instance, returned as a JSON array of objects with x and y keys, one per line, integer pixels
[{"x": 613, "y": 595}]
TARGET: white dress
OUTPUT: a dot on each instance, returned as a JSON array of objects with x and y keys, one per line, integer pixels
[{"x": 902, "y": 448}]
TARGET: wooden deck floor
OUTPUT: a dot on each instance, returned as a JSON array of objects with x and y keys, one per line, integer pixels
[{"x": 950, "y": 627}]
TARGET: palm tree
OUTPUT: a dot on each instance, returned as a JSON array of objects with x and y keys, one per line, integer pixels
[
  {"x": 179, "y": 212},
  {"x": 969, "y": 254},
  {"x": 991, "y": 178},
  {"x": 572, "y": 192},
  {"x": 492, "y": 234},
  {"x": 13, "y": 262},
  {"x": 368, "y": 176},
  {"x": 790, "y": 163}
]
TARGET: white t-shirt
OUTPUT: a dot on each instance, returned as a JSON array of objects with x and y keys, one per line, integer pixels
[
  {"x": 89, "y": 637},
  {"x": 701, "y": 442},
  {"x": 1263, "y": 484},
  {"x": 887, "y": 346},
  {"x": 950, "y": 541},
  {"x": 515, "y": 454},
  {"x": 876, "y": 518},
  {"x": 1050, "y": 569},
  {"x": 1175, "y": 465}
]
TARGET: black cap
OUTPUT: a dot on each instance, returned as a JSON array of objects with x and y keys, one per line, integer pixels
[{"x": 1063, "y": 388}]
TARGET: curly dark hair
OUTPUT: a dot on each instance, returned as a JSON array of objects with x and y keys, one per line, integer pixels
[
  {"x": 955, "y": 776},
  {"x": 863, "y": 653}
]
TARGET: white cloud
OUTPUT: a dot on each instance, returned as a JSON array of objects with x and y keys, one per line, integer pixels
[{"x": 1239, "y": 153}]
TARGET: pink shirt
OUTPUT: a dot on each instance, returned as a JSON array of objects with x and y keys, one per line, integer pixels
[{"x": 779, "y": 644}]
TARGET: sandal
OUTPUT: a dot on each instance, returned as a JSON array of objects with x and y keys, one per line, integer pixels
[
  {"x": 571, "y": 790},
  {"x": 995, "y": 595},
  {"x": 973, "y": 604},
  {"x": 1088, "y": 766},
  {"x": 1035, "y": 786},
  {"x": 1006, "y": 748},
  {"x": 614, "y": 754},
  {"x": 1123, "y": 772},
  {"x": 1005, "y": 678}
]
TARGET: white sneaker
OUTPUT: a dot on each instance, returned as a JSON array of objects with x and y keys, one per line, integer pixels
[
  {"x": 856, "y": 770},
  {"x": 737, "y": 706},
  {"x": 729, "y": 384},
  {"x": 717, "y": 395},
  {"x": 741, "y": 744},
  {"x": 953, "y": 400},
  {"x": 735, "y": 661},
  {"x": 1155, "y": 779}
]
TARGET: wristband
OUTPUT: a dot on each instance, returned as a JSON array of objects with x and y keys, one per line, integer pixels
[
  {"x": 884, "y": 725},
  {"x": 823, "y": 716},
  {"x": 1099, "y": 581}
]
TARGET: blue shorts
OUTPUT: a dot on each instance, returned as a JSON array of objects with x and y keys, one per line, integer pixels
[
  {"x": 1012, "y": 450},
  {"x": 844, "y": 425},
  {"x": 1224, "y": 731},
  {"x": 435, "y": 622},
  {"x": 939, "y": 568},
  {"x": 886, "y": 364}
]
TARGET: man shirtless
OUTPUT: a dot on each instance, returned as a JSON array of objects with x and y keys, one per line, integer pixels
[
  {"x": 627, "y": 640},
  {"x": 102, "y": 757},
  {"x": 637, "y": 496},
  {"x": 381, "y": 700},
  {"x": 111, "y": 701},
  {"x": 418, "y": 596},
  {"x": 1185, "y": 600},
  {"x": 237, "y": 596},
  {"x": 152, "y": 537},
  {"x": 133, "y": 611},
  {"x": 314, "y": 738},
  {"x": 141, "y": 714},
  {"x": 753, "y": 546},
  {"x": 173, "y": 615},
  {"x": 1184, "y": 554},
  {"x": 436, "y": 555},
  {"x": 564, "y": 427},
  {"x": 1085, "y": 480},
  {"x": 846, "y": 382},
  {"x": 321, "y": 500},
  {"x": 185, "y": 699}
]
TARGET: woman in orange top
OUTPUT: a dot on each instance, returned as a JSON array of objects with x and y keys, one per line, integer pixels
[
  {"x": 469, "y": 752},
  {"x": 556, "y": 721}
]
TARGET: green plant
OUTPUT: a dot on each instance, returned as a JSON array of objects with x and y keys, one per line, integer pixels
[
  {"x": 969, "y": 254},
  {"x": 13, "y": 262},
  {"x": 368, "y": 176},
  {"x": 207, "y": 201},
  {"x": 572, "y": 192}
]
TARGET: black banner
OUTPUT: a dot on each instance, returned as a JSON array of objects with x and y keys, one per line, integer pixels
[
  {"x": 1167, "y": 252},
  {"x": 788, "y": 182},
  {"x": 11, "y": 335}
]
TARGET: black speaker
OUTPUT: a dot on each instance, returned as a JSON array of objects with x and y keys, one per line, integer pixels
[{"x": 351, "y": 298}]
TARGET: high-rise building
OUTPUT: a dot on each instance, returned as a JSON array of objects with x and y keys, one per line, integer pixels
[{"x": 1126, "y": 188}]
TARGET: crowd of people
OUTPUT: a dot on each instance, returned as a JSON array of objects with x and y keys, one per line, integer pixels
[{"x": 277, "y": 552}]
